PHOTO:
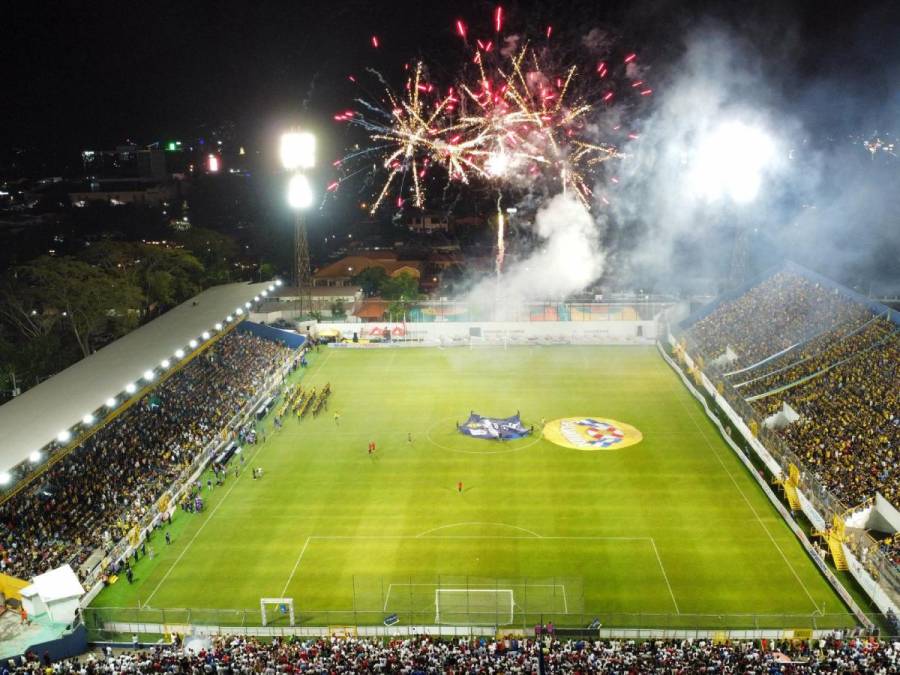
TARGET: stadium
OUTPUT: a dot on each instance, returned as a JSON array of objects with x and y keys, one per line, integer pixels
[
  {"x": 625, "y": 487},
  {"x": 416, "y": 338}
]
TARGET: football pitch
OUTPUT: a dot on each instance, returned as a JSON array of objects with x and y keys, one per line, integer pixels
[{"x": 670, "y": 532}]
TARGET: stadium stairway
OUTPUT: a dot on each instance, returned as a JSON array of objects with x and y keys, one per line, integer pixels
[
  {"x": 837, "y": 553},
  {"x": 790, "y": 491}
]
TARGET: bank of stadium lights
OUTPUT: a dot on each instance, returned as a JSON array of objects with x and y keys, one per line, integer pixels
[
  {"x": 165, "y": 364},
  {"x": 130, "y": 388},
  {"x": 87, "y": 419},
  {"x": 5, "y": 478},
  {"x": 193, "y": 344},
  {"x": 229, "y": 318},
  {"x": 111, "y": 403},
  {"x": 239, "y": 311},
  {"x": 149, "y": 375},
  {"x": 205, "y": 335},
  {"x": 265, "y": 294},
  {"x": 35, "y": 457},
  {"x": 247, "y": 305},
  {"x": 179, "y": 353},
  {"x": 298, "y": 150},
  {"x": 64, "y": 436},
  {"x": 218, "y": 326}
]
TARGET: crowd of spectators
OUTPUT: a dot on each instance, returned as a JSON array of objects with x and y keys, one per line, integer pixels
[
  {"x": 781, "y": 311},
  {"x": 95, "y": 494},
  {"x": 833, "y": 360},
  {"x": 414, "y": 655}
]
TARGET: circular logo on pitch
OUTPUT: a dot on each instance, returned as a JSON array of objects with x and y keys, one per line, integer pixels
[{"x": 591, "y": 433}]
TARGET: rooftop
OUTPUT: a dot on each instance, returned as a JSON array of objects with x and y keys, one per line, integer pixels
[{"x": 35, "y": 418}]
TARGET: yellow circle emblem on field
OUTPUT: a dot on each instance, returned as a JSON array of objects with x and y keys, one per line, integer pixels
[{"x": 591, "y": 433}]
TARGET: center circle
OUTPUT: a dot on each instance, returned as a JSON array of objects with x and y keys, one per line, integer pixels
[{"x": 520, "y": 448}]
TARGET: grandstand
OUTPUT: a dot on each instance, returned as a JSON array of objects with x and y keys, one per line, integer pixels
[{"x": 229, "y": 490}]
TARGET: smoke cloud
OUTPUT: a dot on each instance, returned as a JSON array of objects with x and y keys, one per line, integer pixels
[
  {"x": 567, "y": 258},
  {"x": 736, "y": 146}
]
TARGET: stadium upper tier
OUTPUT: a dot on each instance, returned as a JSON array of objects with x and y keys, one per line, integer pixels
[
  {"x": 832, "y": 356},
  {"x": 30, "y": 421}
]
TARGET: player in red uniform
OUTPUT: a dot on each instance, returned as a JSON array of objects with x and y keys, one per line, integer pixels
[{"x": 459, "y": 487}]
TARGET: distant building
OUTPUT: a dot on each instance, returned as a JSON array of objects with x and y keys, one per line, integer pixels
[
  {"x": 341, "y": 272},
  {"x": 126, "y": 161},
  {"x": 426, "y": 223},
  {"x": 120, "y": 192},
  {"x": 285, "y": 303}
]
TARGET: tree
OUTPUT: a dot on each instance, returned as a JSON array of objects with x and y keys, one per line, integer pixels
[
  {"x": 217, "y": 253},
  {"x": 404, "y": 286},
  {"x": 371, "y": 280},
  {"x": 338, "y": 311},
  {"x": 403, "y": 292},
  {"x": 166, "y": 276},
  {"x": 87, "y": 300}
]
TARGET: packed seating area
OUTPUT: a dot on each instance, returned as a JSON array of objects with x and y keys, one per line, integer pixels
[
  {"x": 94, "y": 495},
  {"x": 510, "y": 655},
  {"x": 783, "y": 310},
  {"x": 833, "y": 360}
]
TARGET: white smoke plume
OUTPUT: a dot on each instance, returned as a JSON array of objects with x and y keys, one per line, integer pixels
[{"x": 567, "y": 259}]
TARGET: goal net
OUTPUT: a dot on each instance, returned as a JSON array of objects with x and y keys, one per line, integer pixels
[
  {"x": 277, "y": 609},
  {"x": 475, "y": 606}
]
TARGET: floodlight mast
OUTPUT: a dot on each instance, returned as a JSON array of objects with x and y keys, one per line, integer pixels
[{"x": 297, "y": 154}]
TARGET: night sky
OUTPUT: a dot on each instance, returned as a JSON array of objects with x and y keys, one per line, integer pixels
[{"x": 95, "y": 73}]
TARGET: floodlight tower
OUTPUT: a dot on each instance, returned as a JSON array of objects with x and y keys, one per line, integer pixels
[{"x": 298, "y": 152}]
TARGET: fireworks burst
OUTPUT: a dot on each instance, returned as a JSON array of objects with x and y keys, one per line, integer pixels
[{"x": 515, "y": 118}]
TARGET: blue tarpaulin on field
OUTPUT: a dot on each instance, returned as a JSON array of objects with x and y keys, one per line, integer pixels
[{"x": 494, "y": 428}]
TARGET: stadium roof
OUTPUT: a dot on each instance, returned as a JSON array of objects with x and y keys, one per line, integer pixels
[{"x": 35, "y": 418}]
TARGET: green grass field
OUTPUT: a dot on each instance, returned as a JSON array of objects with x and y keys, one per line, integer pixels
[{"x": 671, "y": 532}]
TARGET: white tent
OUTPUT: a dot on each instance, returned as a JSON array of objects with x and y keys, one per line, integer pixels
[{"x": 55, "y": 593}]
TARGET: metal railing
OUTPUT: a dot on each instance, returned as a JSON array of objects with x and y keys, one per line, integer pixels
[{"x": 112, "y": 623}]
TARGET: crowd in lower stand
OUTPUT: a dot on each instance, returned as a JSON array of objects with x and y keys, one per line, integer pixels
[
  {"x": 227, "y": 656},
  {"x": 833, "y": 359},
  {"x": 94, "y": 496}
]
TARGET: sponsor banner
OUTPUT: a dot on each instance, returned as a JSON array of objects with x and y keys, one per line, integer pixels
[{"x": 591, "y": 433}]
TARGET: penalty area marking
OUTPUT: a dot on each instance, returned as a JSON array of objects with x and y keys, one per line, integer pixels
[
  {"x": 531, "y": 537},
  {"x": 537, "y": 438}
]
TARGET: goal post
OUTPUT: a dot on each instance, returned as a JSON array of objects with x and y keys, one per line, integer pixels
[
  {"x": 282, "y": 605},
  {"x": 474, "y": 606}
]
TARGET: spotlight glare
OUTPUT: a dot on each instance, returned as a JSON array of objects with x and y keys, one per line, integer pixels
[
  {"x": 5, "y": 478},
  {"x": 64, "y": 436},
  {"x": 111, "y": 402},
  {"x": 88, "y": 419},
  {"x": 165, "y": 363},
  {"x": 731, "y": 162},
  {"x": 179, "y": 353},
  {"x": 298, "y": 150},
  {"x": 218, "y": 326},
  {"x": 300, "y": 194},
  {"x": 193, "y": 344},
  {"x": 205, "y": 335},
  {"x": 130, "y": 388},
  {"x": 35, "y": 457}
]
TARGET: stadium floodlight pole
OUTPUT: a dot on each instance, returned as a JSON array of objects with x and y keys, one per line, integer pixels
[{"x": 298, "y": 152}]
